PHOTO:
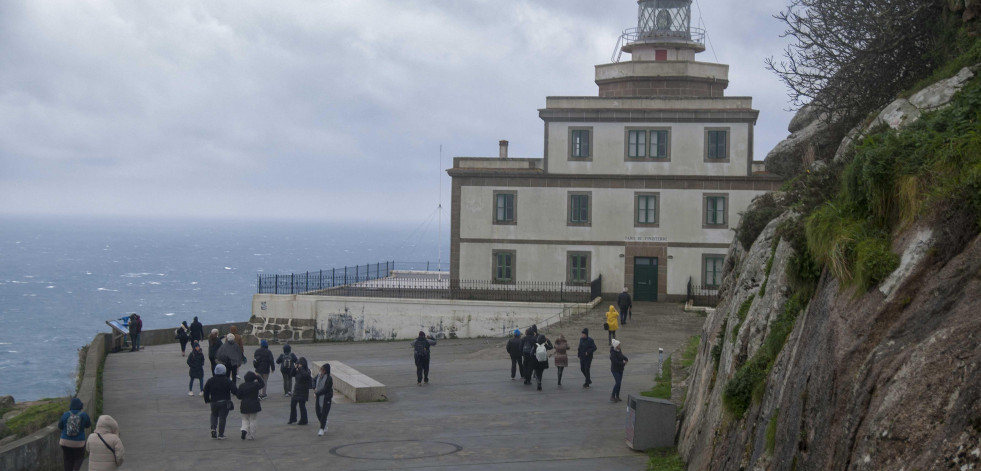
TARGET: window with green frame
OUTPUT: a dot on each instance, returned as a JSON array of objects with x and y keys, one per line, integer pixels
[
  {"x": 712, "y": 274},
  {"x": 646, "y": 209},
  {"x": 636, "y": 144},
  {"x": 717, "y": 144},
  {"x": 659, "y": 144},
  {"x": 579, "y": 209},
  {"x": 504, "y": 207},
  {"x": 578, "y": 268},
  {"x": 504, "y": 266},
  {"x": 580, "y": 143},
  {"x": 715, "y": 210}
]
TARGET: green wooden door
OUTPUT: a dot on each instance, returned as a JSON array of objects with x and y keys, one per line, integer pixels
[{"x": 645, "y": 279}]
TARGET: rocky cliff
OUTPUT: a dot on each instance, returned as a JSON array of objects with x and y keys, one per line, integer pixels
[{"x": 855, "y": 358}]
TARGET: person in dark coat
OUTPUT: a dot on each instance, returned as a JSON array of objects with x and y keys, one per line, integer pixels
[
  {"x": 323, "y": 388},
  {"x": 264, "y": 363},
  {"x": 421, "y": 354},
  {"x": 135, "y": 328},
  {"x": 625, "y": 304},
  {"x": 617, "y": 361},
  {"x": 214, "y": 343},
  {"x": 539, "y": 364},
  {"x": 527, "y": 353},
  {"x": 197, "y": 330},
  {"x": 287, "y": 365},
  {"x": 514, "y": 350},
  {"x": 183, "y": 334},
  {"x": 195, "y": 364},
  {"x": 248, "y": 392},
  {"x": 586, "y": 349},
  {"x": 230, "y": 356},
  {"x": 302, "y": 383},
  {"x": 72, "y": 425},
  {"x": 218, "y": 392}
]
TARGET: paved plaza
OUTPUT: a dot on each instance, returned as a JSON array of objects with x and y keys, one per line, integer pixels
[{"x": 470, "y": 416}]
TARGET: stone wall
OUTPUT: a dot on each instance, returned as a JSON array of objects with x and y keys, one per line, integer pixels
[{"x": 281, "y": 329}]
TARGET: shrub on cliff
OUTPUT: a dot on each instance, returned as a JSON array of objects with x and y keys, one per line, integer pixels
[{"x": 763, "y": 210}]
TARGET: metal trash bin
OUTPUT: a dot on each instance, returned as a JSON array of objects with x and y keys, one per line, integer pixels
[{"x": 651, "y": 422}]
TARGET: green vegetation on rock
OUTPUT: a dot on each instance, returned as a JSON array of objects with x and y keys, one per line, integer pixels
[
  {"x": 763, "y": 210},
  {"x": 662, "y": 387},
  {"x": 36, "y": 417},
  {"x": 664, "y": 459},
  {"x": 771, "y": 432},
  {"x": 690, "y": 351},
  {"x": 741, "y": 314}
]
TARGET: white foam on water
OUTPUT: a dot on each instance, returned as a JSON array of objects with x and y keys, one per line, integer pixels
[
  {"x": 88, "y": 273},
  {"x": 194, "y": 282},
  {"x": 169, "y": 314},
  {"x": 153, "y": 283},
  {"x": 12, "y": 351},
  {"x": 5, "y": 343},
  {"x": 107, "y": 289},
  {"x": 229, "y": 268},
  {"x": 49, "y": 286}
]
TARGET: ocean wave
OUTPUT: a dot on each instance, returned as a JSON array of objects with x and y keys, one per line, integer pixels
[
  {"x": 168, "y": 314},
  {"x": 107, "y": 289},
  {"x": 194, "y": 282},
  {"x": 49, "y": 286},
  {"x": 229, "y": 268},
  {"x": 153, "y": 282}
]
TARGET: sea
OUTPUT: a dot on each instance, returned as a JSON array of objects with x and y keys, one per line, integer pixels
[{"x": 61, "y": 279}]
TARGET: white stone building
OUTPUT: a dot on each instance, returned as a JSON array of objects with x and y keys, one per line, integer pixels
[{"x": 641, "y": 184}]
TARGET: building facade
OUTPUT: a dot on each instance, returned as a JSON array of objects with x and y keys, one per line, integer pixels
[{"x": 641, "y": 184}]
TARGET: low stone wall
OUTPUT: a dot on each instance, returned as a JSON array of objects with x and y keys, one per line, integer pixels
[
  {"x": 166, "y": 336},
  {"x": 40, "y": 451},
  {"x": 303, "y": 318}
]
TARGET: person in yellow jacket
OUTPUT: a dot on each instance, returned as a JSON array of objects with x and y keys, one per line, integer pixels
[{"x": 613, "y": 323}]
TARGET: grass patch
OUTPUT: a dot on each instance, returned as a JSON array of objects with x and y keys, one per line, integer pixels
[
  {"x": 36, "y": 417},
  {"x": 662, "y": 387},
  {"x": 664, "y": 459},
  {"x": 98, "y": 388},
  {"x": 741, "y": 314},
  {"x": 690, "y": 351},
  {"x": 771, "y": 432},
  {"x": 763, "y": 210}
]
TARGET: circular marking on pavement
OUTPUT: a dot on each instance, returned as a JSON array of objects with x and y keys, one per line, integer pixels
[{"x": 395, "y": 450}]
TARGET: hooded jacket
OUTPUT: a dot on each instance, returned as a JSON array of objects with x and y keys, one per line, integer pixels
[
  {"x": 248, "y": 392},
  {"x": 613, "y": 319},
  {"x": 238, "y": 341},
  {"x": 623, "y": 300},
  {"x": 304, "y": 382},
  {"x": 541, "y": 340},
  {"x": 101, "y": 458},
  {"x": 197, "y": 330},
  {"x": 287, "y": 353},
  {"x": 514, "y": 346},
  {"x": 323, "y": 387},
  {"x": 219, "y": 388},
  {"x": 229, "y": 354},
  {"x": 617, "y": 360},
  {"x": 195, "y": 363},
  {"x": 561, "y": 355},
  {"x": 263, "y": 360},
  {"x": 75, "y": 441},
  {"x": 528, "y": 343},
  {"x": 182, "y": 332},
  {"x": 586, "y": 347}
]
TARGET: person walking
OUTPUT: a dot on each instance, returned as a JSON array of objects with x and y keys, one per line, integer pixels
[
  {"x": 135, "y": 328},
  {"x": 625, "y": 304},
  {"x": 421, "y": 347},
  {"x": 617, "y": 361},
  {"x": 287, "y": 365},
  {"x": 561, "y": 356},
  {"x": 197, "y": 330},
  {"x": 106, "y": 450},
  {"x": 302, "y": 383},
  {"x": 195, "y": 365},
  {"x": 540, "y": 358},
  {"x": 612, "y": 323},
  {"x": 214, "y": 343},
  {"x": 230, "y": 356},
  {"x": 528, "y": 354},
  {"x": 72, "y": 425},
  {"x": 585, "y": 353},
  {"x": 264, "y": 363},
  {"x": 239, "y": 342},
  {"x": 323, "y": 388},
  {"x": 218, "y": 392},
  {"x": 514, "y": 350},
  {"x": 250, "y": 407},
  {"x": 182, "y": 334}
]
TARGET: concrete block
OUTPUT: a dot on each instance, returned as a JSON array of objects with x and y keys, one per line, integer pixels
[
  {"x": 353, "y": 384},
  {"x": 651, "y": 422}
]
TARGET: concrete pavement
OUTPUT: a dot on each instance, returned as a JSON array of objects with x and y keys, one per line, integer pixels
[{"x": 470, "y": 415}]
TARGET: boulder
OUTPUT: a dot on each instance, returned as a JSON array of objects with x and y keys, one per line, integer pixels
[
  {"x": 6, "y": 402},
  {"x": 939, "y": 94},
  {"x": 897, "y": 114},
  {"x": 804, "y": 117}
]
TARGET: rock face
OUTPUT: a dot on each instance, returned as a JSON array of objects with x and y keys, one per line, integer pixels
[{"x": 884, "y": 379}]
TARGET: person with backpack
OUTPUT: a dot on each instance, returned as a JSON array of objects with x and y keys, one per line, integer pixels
[
  {"x": 214, "y": 343},
  {"x": 263, "y": 362},
  {"x": 561, "y": 357},
  {"x": 625, "y": 304},
  {"x": 182, "y": 335},
  {"x": 421, "y": 353},
  {"x": 287, "y": 363},
  {"x": 135, "y": 328},
  {"x": 105, "y": 448},
  {"x": 323, "y": 388},
  {"x": 72, "y": 425},
  {"x": 514, "y": 350},
  {"x": 302, "y": 383},
  {"x": 617, "y": 361},
  {"x": 585, "y": 353},
  {"x": 195, "y": 365},
  {"x": 528, "y": 353},
  {"x": 218, "y": 392},
  {"x": 612, "y": 323},
  {"x": 248, "y": 393},
  {"x": 230, "y": 356},
  {"x": 540, "y": 361},
  {"x": 197, "y": 330}
]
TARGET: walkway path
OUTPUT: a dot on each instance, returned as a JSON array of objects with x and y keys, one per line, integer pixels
[{"x": 470, "y": 416}]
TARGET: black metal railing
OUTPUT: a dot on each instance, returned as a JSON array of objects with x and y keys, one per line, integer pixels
[
  {"x": 296, "y": 283},
  {"x": 443, "y": 266},
  {"x": 700, "y": 295},
  {"x": 476, "y": 290}
]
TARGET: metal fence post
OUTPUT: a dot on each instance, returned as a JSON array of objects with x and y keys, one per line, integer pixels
[{"x": 277, "y": 284}]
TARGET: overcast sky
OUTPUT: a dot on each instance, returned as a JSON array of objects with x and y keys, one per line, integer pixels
[{"x": 328, "y": 110}]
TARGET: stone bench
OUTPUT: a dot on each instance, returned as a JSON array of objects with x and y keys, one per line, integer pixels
[{"x": 353, "y": 384}]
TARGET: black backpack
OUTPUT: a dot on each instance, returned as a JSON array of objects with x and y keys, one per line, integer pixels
[
  {"x": 422, "y": 348},
  {"x": 287, "y": 363},
  {"x": 528, "y": 347}
]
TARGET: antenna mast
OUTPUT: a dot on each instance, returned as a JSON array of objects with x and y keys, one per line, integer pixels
[{"x": 439, "y": 208}]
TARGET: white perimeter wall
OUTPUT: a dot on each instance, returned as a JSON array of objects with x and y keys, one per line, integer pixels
[{"x": 345, "y": 318}]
